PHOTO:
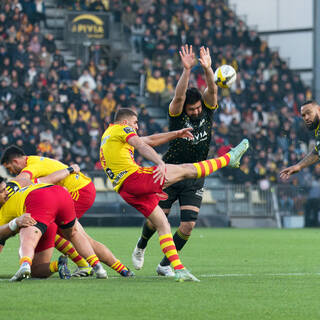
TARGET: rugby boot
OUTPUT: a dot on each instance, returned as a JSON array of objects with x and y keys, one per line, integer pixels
[
  {"x": 138, "y": 257},
  {"x": 182, "y": 275},
  {"x": 237, "y": 152},
  {"x": 100, "y": 272},
  {"x": 83, "y": 272},
  {"x": 64, "y": 272},
  {"x": 165, "y": 271},
  {"x": 127, "y": 273},
  {"x": 24, "y": 272}
]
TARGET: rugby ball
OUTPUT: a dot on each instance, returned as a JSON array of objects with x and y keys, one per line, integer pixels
[{"x": 225, "y": 76}]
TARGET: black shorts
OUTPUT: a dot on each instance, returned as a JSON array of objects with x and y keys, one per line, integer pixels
[{"x": 189, "y": 193}]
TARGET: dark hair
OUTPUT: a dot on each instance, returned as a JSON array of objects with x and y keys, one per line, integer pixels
[
  {"x": 2, "y": 179},
  {"x": 124, "y": 113},
  {"x": 309, "y": 102},
  {"x": 10, "y": 153},
  {"x": 193, "y": 95}
]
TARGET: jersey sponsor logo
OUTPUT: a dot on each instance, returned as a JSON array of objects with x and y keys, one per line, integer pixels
[
  {"x": 128, "y": 130},
  {"x": 118, "y": 177},
  {"x": 198, "y": 137},
  {"x": 199, "y": 192},
  {"x": 109, "y": 173}
]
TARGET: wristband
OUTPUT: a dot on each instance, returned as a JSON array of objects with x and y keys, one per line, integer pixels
[
  {"x": 70, "y": 169},
  {"x": 13, "y": 225}
]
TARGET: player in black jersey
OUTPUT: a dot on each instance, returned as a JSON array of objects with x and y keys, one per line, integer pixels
[
  {"x": 188, "y": 109},
  {"x": 310, "y": 112}
]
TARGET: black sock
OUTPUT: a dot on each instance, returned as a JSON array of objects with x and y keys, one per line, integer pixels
[
  {"x": 179, "y": 240},
  {"x": 147, "y": 233}
]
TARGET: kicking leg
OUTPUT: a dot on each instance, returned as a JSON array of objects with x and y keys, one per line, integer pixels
[{"x": 202, "y": 169}]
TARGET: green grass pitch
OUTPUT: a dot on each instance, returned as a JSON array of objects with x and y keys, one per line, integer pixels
[{"x": 245, "y": 274}]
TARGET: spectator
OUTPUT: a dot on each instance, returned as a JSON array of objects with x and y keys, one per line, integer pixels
[{"x": 155, "y": 86}]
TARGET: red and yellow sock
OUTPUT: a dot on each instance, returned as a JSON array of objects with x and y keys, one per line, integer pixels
[
  {"x": 53, "y": 266},
  {"x": 65, "y": 247},
  {"x": 206, "y": 167},
  {"x": 119, "y": 267},
  {"x": 169, "y": 249},
  {"x": 25, "y": 259},
  {"x": 93, "y": 260}
]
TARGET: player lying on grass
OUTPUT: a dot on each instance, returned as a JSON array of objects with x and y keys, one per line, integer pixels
[
  {"x": 83, "y": 193},
  {"x": 46, "y": 204},
  {"x": 142, "y": 187}
]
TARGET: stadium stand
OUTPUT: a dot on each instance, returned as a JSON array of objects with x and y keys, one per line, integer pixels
[{"x": 56, "y": 105}]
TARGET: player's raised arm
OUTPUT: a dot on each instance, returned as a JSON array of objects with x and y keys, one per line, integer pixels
[
  {"x": 307, "y": 161},
  {"x": 210, "y": 94},
  {"x": 161, "y": 138},
  {"x": 188, "y": 60}
]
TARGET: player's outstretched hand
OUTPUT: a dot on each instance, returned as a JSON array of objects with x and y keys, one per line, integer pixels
[
  {"x": 75, "y": 167},
  {"x": 185, "y": 133},
  {"x": 187, "y": 57},
  {"x": 159, "y": 173},
  {"x": 287, "y": 172},
  {"x": 25, "y": 221},
  {"x": 205, "y": 58}
]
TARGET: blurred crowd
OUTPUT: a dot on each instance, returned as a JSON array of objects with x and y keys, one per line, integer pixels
[{"x": 51, "y": 108}]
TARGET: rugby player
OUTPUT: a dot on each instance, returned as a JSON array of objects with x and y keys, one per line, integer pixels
[
  {"x": 142, "y": 187},
  {"x": 188, "y": 109},
  {"x": 83, "y": 193},
  {"x": 310, "y": 112},
  {"x": 46, "y": 204}
]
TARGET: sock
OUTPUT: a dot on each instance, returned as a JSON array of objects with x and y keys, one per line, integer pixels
[
  {"x": 53, "y": 266},
  {"x": 120, "y": 268},
  {"x": 65, "y": 247},
  {"x": 206, "y": 167},
  {"x": 147, "y": 233},
  {"x": 169, "y": 249},
  {"x": 180, "y": 240},
  {"x": 25, "y": 259},
  {"x": 93, "y": 260}
]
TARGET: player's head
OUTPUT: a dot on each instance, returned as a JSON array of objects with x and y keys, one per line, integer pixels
[
  {"x": 3, "y": 191},
  {"x": 310, "y": 112},
  {"x": 14, "y": 159},
  {"x": 193, "y": 103},
  {"x": 128, "y": 117}
]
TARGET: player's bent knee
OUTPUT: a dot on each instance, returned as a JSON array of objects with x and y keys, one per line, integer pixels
[{"x": 187, "y": 227}]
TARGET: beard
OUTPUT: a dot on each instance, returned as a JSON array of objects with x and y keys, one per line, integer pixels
[
  {"x": 198, "y": 117},
  {"x": 314, "y": 124}
]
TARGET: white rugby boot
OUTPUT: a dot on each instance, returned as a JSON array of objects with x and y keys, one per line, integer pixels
[
  {"x": 138, "y": 258},
  {"x": 24, "y": 272},
  {"x": 237, "y": 152},
  {"x": 165, "y": 271}
]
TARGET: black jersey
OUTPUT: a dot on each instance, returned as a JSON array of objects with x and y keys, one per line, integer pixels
[
  {"x": 185, "y": 150},
  {"x": 317, "y": 138}
]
